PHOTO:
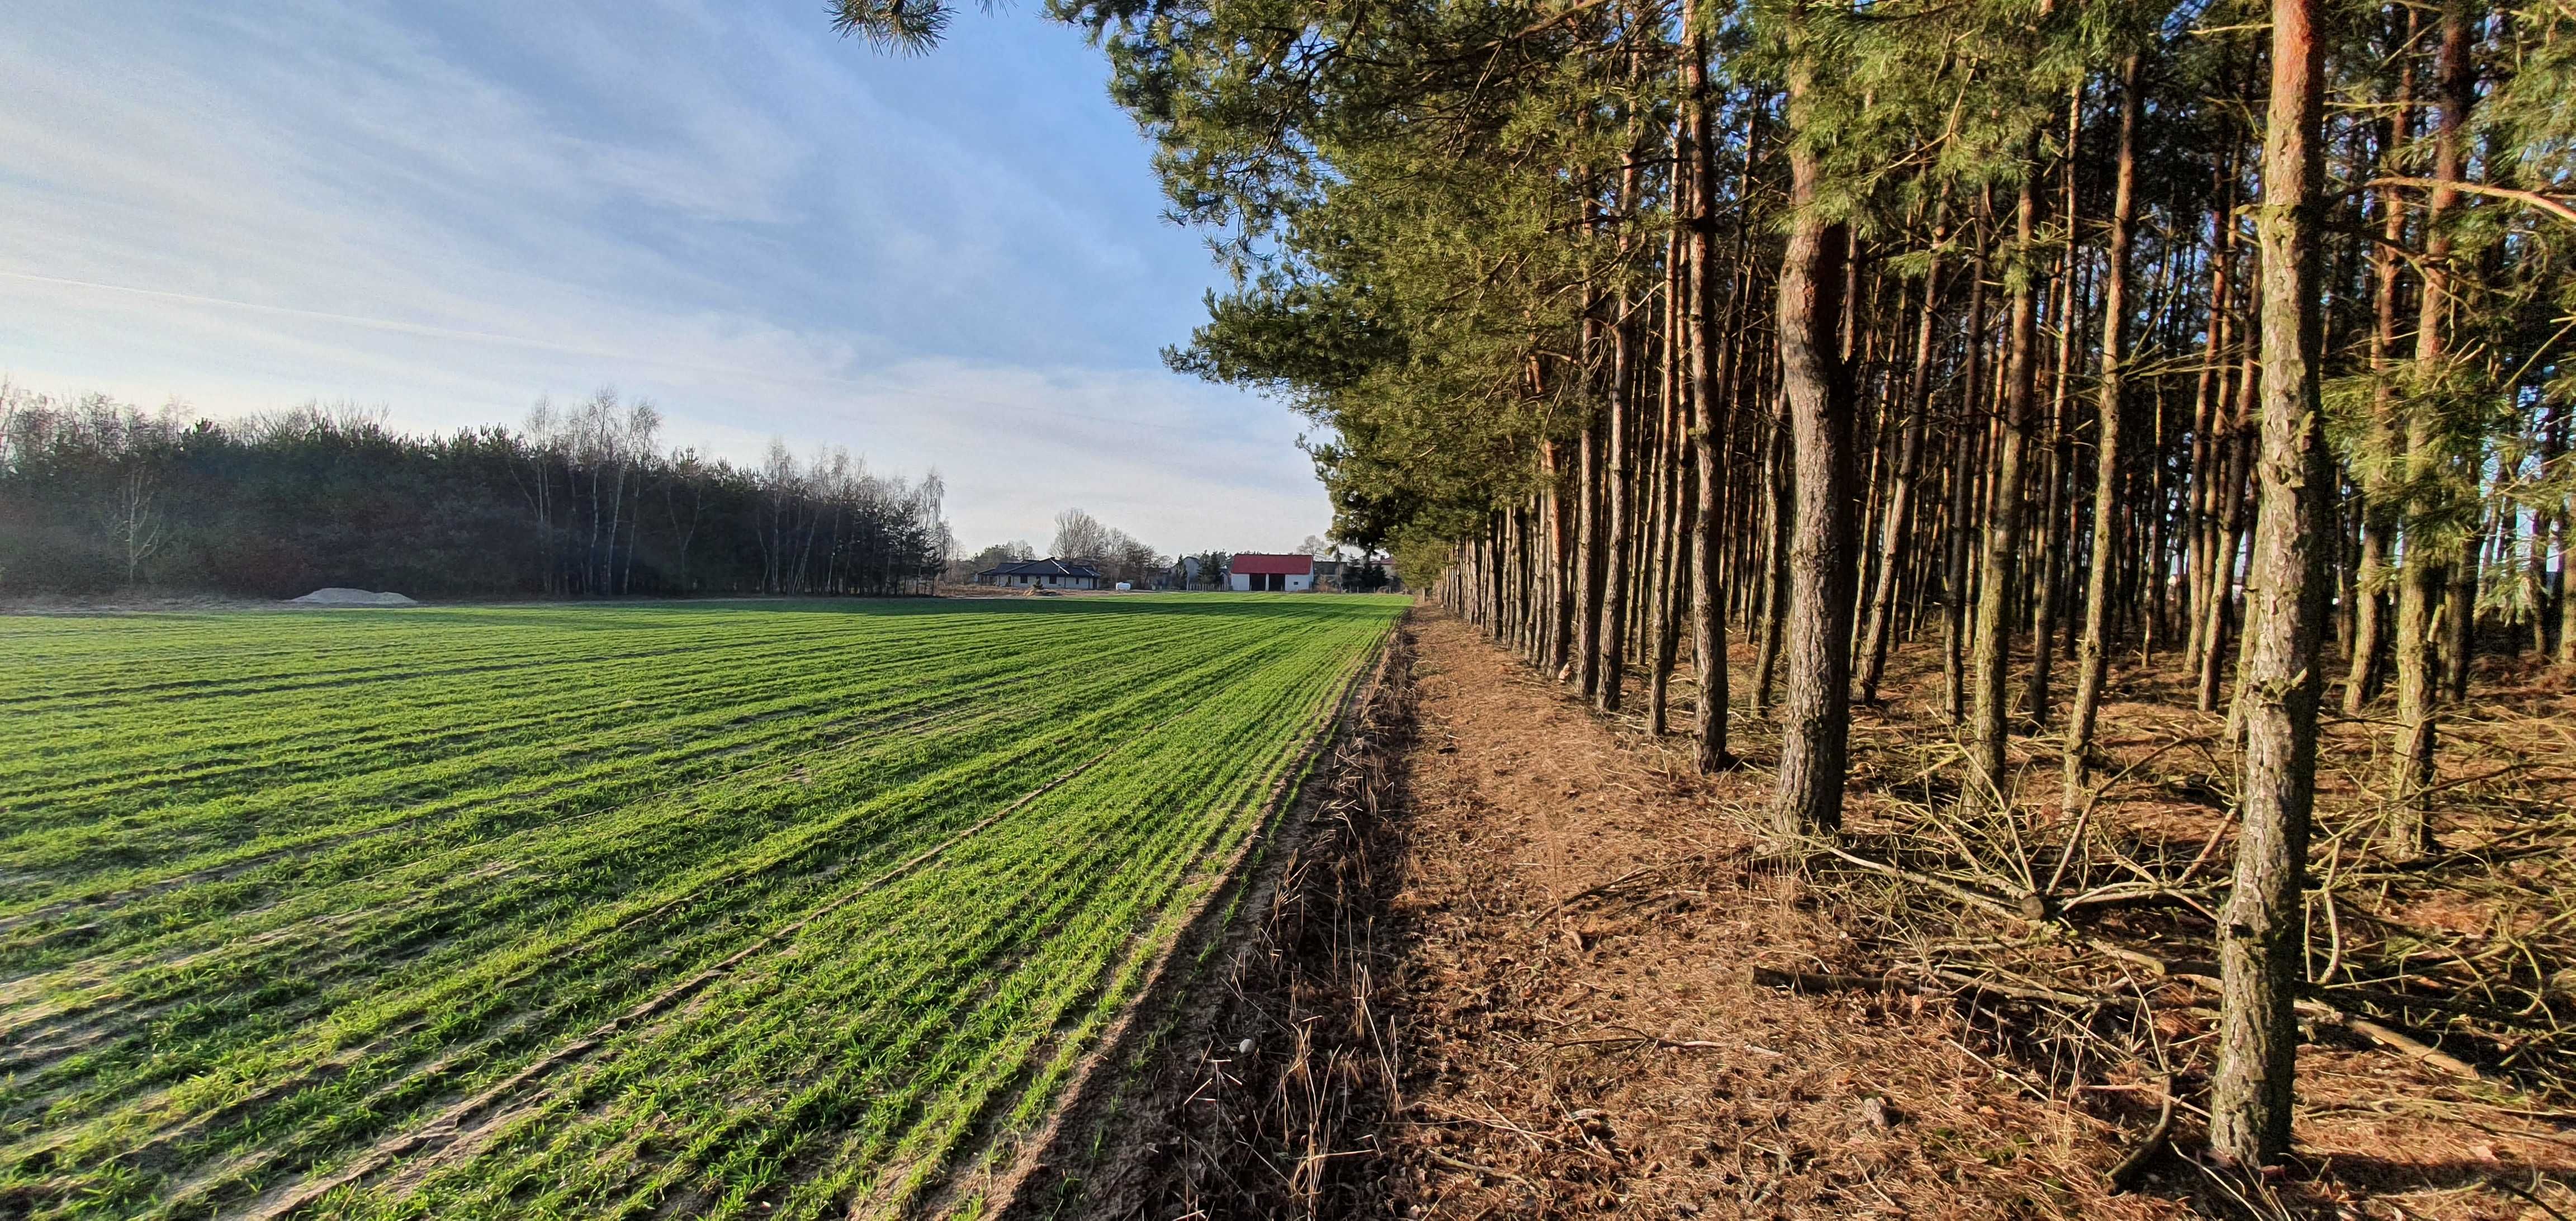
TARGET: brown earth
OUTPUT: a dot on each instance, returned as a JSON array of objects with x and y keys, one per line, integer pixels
[
  {"x": 1578, "y": 1031},
  {"x": 1583, "y": 1033}
]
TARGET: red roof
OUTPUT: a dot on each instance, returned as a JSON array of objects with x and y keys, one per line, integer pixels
[{"x": 1287, "y": 565}]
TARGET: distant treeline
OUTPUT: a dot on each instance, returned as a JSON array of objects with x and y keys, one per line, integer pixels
[{"x": 96, "y": 496}]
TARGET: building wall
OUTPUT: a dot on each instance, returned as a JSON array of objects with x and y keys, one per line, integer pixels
[{"x": 1245, "y": 582}]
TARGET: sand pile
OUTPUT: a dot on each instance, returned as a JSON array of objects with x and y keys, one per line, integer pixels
[{"x": 339, "y": 596}]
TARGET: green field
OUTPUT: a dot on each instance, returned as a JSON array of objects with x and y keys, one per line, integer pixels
[{"x": 740, "y": 910}]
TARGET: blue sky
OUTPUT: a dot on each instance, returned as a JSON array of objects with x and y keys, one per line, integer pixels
[{"x": 448, "y": 210}]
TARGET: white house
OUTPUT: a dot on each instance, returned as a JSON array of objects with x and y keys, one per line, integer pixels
[
  {"x": 1050, "y": 573},
  {"x": 1251, "y": 573}
]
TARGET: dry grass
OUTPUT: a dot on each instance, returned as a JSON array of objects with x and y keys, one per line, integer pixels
[{"x": 2075, "y": 943}]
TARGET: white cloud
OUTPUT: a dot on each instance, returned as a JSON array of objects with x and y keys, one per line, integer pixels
[{"x": 451, "y": 211}]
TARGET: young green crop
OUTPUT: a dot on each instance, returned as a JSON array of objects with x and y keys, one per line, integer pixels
[{"x": 747, "y": 910}]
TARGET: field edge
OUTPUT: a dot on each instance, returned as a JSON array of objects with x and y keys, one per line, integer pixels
[{"x": 1104, "y": 1140}]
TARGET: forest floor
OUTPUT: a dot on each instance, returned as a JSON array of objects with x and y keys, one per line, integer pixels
[{"x": 1578, "y": 922}]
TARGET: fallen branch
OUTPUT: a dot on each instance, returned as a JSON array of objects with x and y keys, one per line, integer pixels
[
  {"x": 2125, "y": 1175},
  {"x": 1606, "y": 887},
  {"x": 2394, "y": 1040},
  {"x": 1812, "y": 982}
]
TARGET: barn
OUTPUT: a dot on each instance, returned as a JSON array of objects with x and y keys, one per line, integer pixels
[
  {"x": 1276, "y": 573},
  {"x": 1049, "y": 573}
]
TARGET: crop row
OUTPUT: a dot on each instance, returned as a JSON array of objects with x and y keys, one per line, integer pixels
[{"x": 792, "y": 929}]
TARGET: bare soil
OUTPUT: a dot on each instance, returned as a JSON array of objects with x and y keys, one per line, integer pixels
[
  {"x": 1584, "y": 1003},
  {"x": 1583, "y": 1033}
]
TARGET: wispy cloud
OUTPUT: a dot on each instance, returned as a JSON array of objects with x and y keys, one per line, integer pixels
[{"x": 452, "y": 209}]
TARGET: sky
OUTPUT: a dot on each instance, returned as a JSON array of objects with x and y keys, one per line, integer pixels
[{"x": 955, "y": 261}]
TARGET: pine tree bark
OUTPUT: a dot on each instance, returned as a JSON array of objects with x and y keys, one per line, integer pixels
[
  {"x": 1817, "y": 391},
  {"x": 2092, "y": 659},
  {"x": 1963, "y": 484},
  {"x": 1777, "y": 515},
  {"x": 2363, "y": 676},
  {"x": 1619, "y": 478},
  {"x": 1893, "y": 526},
  {"x": 1559, "y": 631},
  {"x": 1670, "y": 534},
  {"x": 2261, "y": 931},
  {"x": 1620, "y": 511},
  {"x": 2424, "y": 578},
  {"x": 1708, "y": 416},
  {"x": 2228, "y": 528},
  {"x": 2561, "y": 585},
  {"x": 1587, "y": 562},
  {"x": 1989, "y": 727},
  {"x": 2460, "y": 612},
  {"x": 2059, "y": 457},
  {"x": 2210, "y": 419}
]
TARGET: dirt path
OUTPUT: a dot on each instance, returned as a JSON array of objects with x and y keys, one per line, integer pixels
[{"x": 1581, "y": 1032}]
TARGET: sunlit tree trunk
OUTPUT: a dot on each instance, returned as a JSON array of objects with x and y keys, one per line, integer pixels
[
  {"x": 1959, "y": 529},
  {"x": 2092, "y": 656},
  {"x": 1816, "y": 713},
  {"x": 1893, "y": 525},
  {"x": 1709, "y": 421},
  {"x": 1778, "y": 513},
  {"x": 1989, "y": 728},
  {"x": 2059, "y": 456},
  {"x": 2423, "y": 577},
  {"x": 1618, "y": 475},
  {"x": 2365, "y": 673},
  {"x": 2261, "y": 931}
]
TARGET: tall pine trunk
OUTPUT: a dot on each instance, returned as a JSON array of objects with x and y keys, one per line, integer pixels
[
  {"x": 1893, "y": 525},
  {"x": 1816, "y": 714},
  {"x": 1963, "y": 484},
  {"x": 2092, "y": 658},
  {"x": 1989, "y": 727},
  {"x": 2425, "y": 577},
  {"x": 2364, "y": 675},
  {"x": 1618, "y": 475},
  {"x": 2059, "y": 457},
  {"x": 1669, "y": 536},
  {"x": 2262, "y": 933},
  {"x": 1709, "y": 421},
  {"x": 1560, "y": 553},
  {"x": 1778, "y": 513},
  {"x": 1587, "y": 561}
]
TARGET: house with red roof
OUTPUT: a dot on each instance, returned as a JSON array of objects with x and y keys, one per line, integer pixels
[{"x": 1252, "y": 572}]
